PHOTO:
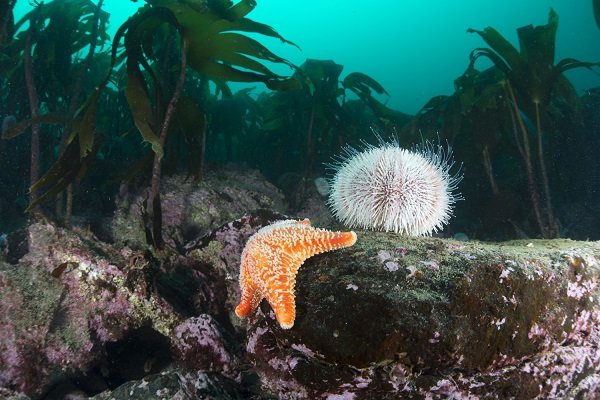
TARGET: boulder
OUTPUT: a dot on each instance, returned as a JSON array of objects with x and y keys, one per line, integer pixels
[
  {"x": 192, "y": 208},
  {"x": 77, "y": 308},
  {"x": 420, "y": 317},
  {"x": 176, "y": 384},
  {"x": 390, "y": 317}
]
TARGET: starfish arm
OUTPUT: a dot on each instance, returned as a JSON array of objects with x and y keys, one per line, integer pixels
[
  {"x": 249, "y": 302},
  {"x": 285, "y": 310},
  {"x": 281, "y": 295},
  {"x": 320, "y": 241},
  {"x": 250, "y": 296}
]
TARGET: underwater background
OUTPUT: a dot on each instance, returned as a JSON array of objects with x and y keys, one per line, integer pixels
[
  {"x": 337, "y": 72},
  {"x": 150, "y": 150},
  {"x": 415, "y": 49}
]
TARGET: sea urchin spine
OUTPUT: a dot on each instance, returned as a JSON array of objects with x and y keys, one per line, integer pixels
[{"x": 388, "y": 188}]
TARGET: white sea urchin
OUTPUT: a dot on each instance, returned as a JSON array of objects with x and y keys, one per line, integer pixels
[{"x": 389, "y": 188}]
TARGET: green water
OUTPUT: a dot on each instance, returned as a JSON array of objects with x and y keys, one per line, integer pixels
[{"x": 415, "y": 49}]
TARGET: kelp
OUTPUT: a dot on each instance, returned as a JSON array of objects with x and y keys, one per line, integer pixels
[
  {"x": 363, "y": 86},
  {"x": 536, "y": 79},
  {"x": 215, "y": 46},
  {"x": 211, "y": 45},
  {"x": 49, "y": 53},
  {"x": 7, "y": 21},
  {"x": 531, "y": 69},
  {"x": 20, "y": 127},
  {"x": 140, "y": 104},
  {"x": 512, "y": 109},
  {"x": 319, "y": 120},
  {"x": 66, "y": 170},
  {"x": 63, "y": 30}
]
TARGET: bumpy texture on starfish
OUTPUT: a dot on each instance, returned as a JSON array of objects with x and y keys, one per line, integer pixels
[{"x": 270, "y": 262}]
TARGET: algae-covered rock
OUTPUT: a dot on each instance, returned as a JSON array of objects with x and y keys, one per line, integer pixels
[
  {"x": 424, "y": 316},
  {"x": 194, "y": 207},
  {"x": 391, "y": 317},
  {"x": 6, "y": 394},
  {"x": 67, "y": 299},
  {"x": 176, "y": 384}
]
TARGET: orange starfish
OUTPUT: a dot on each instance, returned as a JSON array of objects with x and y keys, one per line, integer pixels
[{"x": 270, "y": 262}]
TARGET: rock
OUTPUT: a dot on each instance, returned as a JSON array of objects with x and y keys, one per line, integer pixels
[
  {"x": 74, "y": 307},
  {"x": 69, "y": 298},
  {"x": 6, "y": 394},
  {"x": 391, "y": 317},
  {"x": 422, "y": 317},
  {"x": 176, "y": 384},
  {"x": 200, "y": 346},
  {"x": 192, "y": 208},
  {"x": 221, "y": 251}
]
